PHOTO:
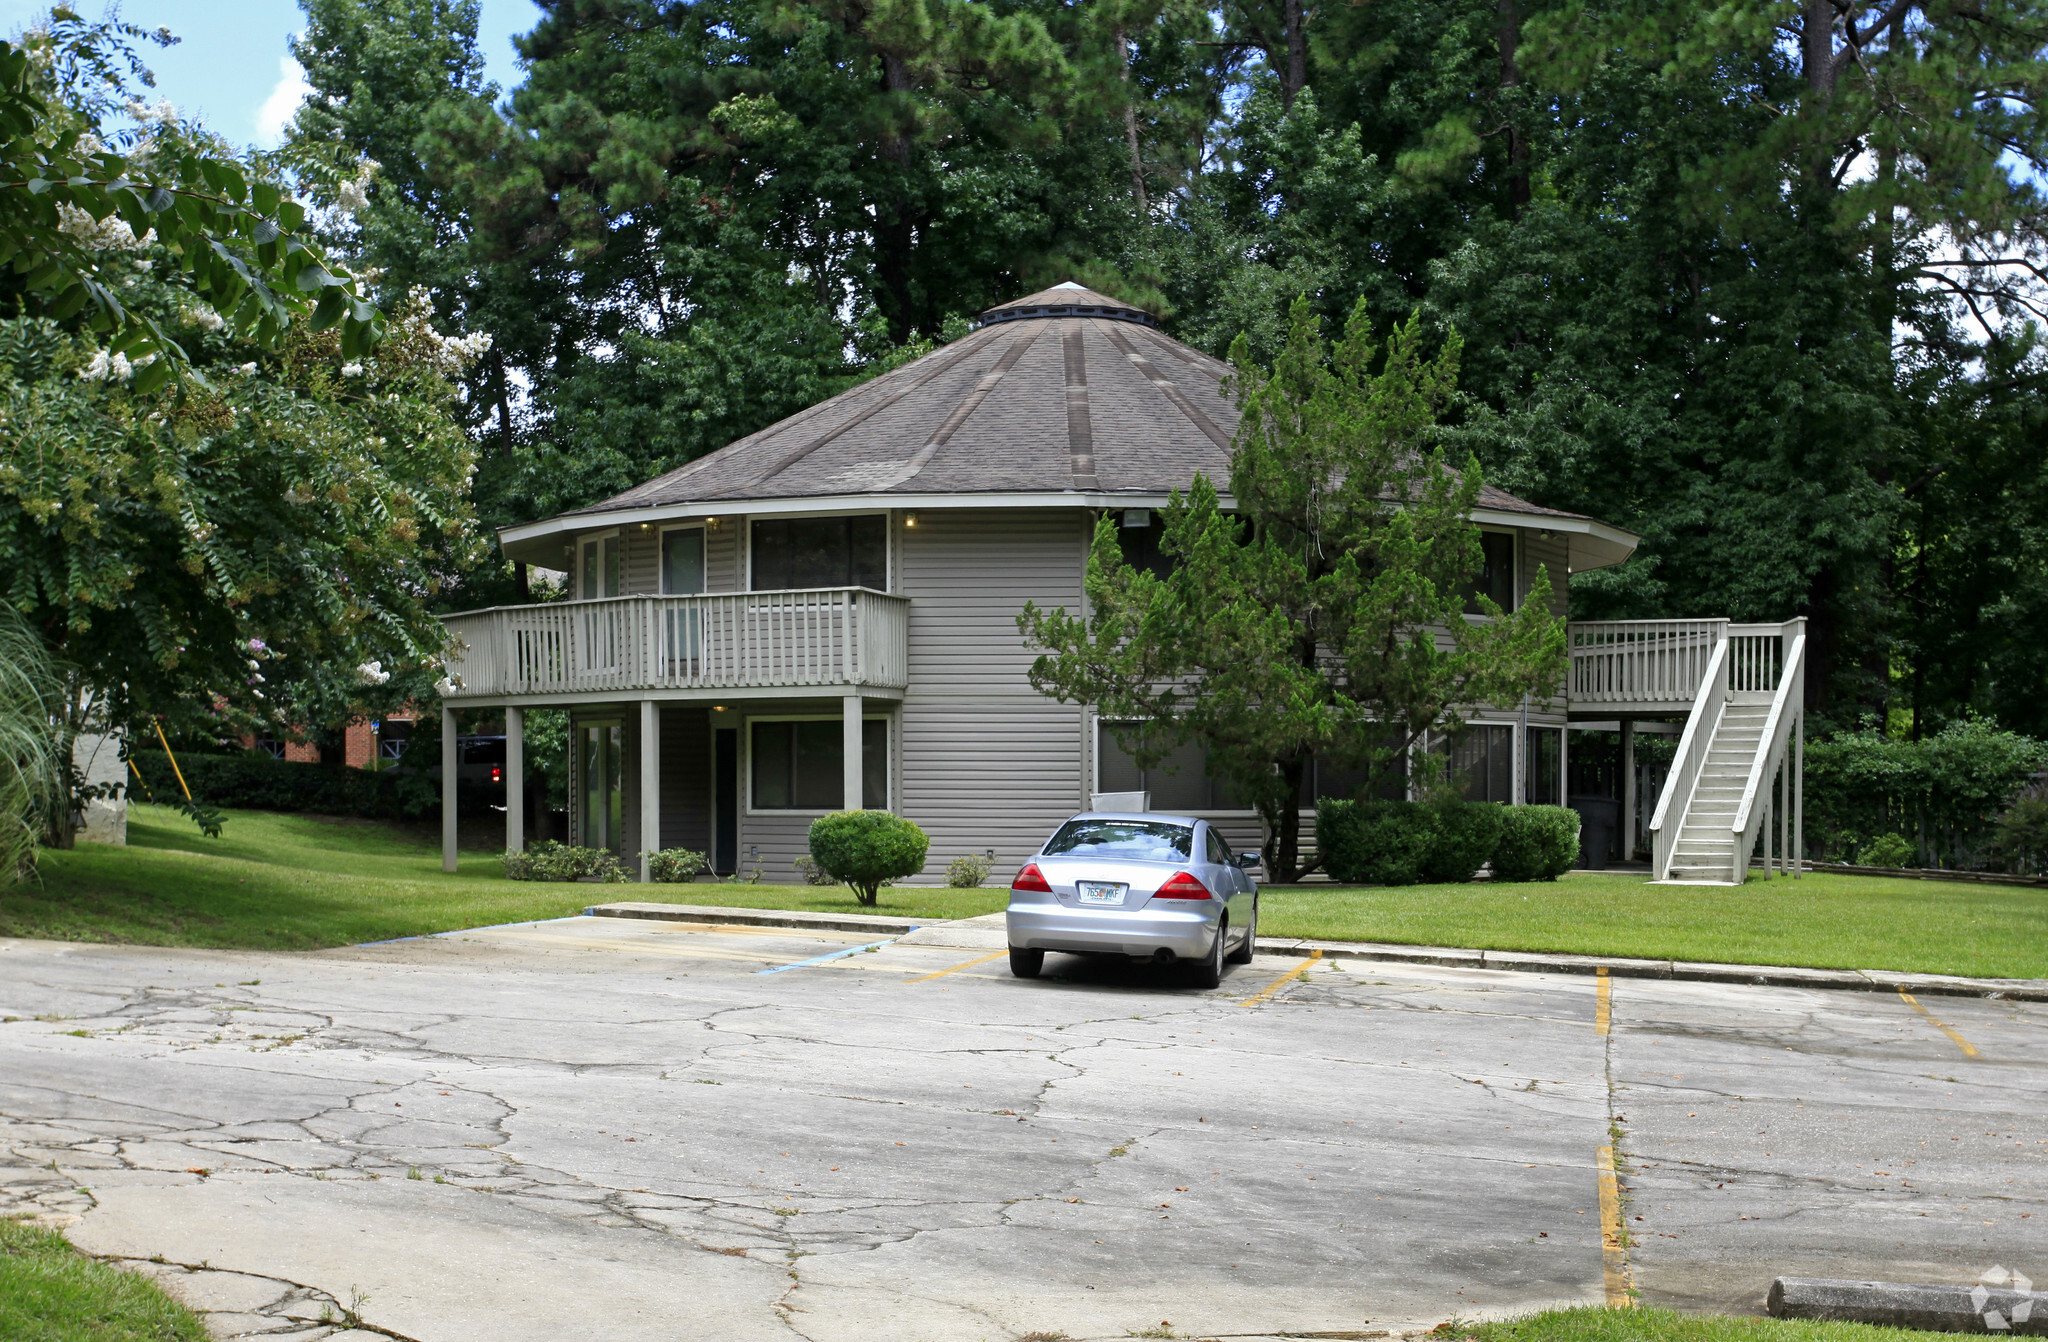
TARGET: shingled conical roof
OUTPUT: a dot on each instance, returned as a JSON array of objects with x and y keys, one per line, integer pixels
[
  {"x": 1063, "y": 390},
  {"x": 1067, "y": 389}
]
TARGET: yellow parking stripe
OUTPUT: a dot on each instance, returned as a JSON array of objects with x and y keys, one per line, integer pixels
[
  {"x": 1613, "y": 1250},
  {"x": 1277, "y": 984},
  {"x": 1603, "y": 1003},
  {"x": 980, "y": 960},
  {"x": 1969, "y": 1049}
]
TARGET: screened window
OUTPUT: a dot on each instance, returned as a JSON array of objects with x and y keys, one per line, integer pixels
[
  {"x": 1131, "y": 840},
  {"x": 1496, "y": 572},
  {"x": 1180, "y": 782},
  {"x": 798, "y": 765},
  {"x": 794, "y": 553},
  {"x": 1482, "y": 763},
  {"x": 1542, "y": 763}
]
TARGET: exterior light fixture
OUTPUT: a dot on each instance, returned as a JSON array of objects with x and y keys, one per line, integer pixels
[
  {"x": 718, "y": 708},
  {"x": 910, "y": 519}
]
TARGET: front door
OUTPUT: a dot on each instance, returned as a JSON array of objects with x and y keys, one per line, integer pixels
[
  {"x": 725, "y": 800},
  {"x": 600, "y": 763}
]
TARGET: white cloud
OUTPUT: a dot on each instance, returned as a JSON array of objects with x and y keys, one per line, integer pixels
[{"x": 283, "y": 102}]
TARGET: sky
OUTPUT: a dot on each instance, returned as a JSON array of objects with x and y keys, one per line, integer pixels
[{"x": 233, "y": 71}]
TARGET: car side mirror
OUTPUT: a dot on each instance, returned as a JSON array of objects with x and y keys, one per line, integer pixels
[{"x": 1247, "y": 860}]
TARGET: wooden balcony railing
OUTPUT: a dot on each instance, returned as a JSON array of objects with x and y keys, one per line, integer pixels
[
  {"x": 1640, "y": 663},
  {"x": 837, "y": 636}
]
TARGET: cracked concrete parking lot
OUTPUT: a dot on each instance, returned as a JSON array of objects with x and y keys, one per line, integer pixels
[{"x": 601, "y": 1128}]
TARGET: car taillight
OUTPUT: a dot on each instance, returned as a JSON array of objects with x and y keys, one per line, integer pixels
[
  {"x": 1031, "y": 878},
  {"x": 497, "y": 774},
  {"x": 1182, "y": 885}
]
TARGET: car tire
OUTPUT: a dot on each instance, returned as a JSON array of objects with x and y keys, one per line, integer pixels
[
  {"x": 1243, "y": 954},
  {"x": 1026, "y": 964},
  {"x": 1209, "y": 972}
]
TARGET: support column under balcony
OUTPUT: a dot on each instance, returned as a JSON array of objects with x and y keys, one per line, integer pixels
[
  {"x": 450, "y": 753},
  {"x": 650, "y": 784},
  {"x": 850, "y": 736},
  {"x": 515, "y": 779}
]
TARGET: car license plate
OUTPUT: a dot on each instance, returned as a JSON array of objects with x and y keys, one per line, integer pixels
[{"x": 1099, "y": 892}]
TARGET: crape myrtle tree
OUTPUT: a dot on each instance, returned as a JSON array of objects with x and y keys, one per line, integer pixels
[
  {"x": 1323, "y": 616},
  {"x": 228, "y": 487}
]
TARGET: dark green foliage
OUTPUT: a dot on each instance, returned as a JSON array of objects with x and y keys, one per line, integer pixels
[
  {"x": 259, "y": 781},
  {"x": 1886, "y": 850},
  {"x": 1537, "y": 843},
  {"x": 2022, "y": 841},
  {"x": 1407, "y": 842},
  {"x": 552, "y": 861},
  {"x": 866, "y": 848},
  {"x": 1465, "y": 836},
  {"x": 1374, "y": 842},
  {"x": 1943, "y": 794}
]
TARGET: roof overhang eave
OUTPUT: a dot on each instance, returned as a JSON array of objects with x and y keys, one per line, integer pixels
[{"x": 1591, "y": 544}]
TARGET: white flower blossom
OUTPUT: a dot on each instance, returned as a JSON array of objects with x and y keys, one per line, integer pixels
[
  {"x": 352, "y": 369},
  {"x": 110, "y": 234},
  {"x": 354, "y": 197},
  {"x": 245, "y": 368},
  {"x": 163, "y": 114},
  {"x": 203, "y": 317},
  {"x": 447, "y": 685},
  {"x": 107, "y": 368},
  {"x": 372, "y": 673}
]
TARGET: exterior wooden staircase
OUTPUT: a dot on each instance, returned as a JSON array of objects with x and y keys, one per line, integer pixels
[{"x": 1743, "y": 742}]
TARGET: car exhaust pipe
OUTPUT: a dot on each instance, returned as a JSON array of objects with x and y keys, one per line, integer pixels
[{"x": 1163, "y": 956}]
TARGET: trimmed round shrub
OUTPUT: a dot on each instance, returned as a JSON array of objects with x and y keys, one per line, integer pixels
[
  {"x": 1537, "y": 843},
  {"x": 1886, "y": 850},
  {"x": 866, "y": 848},
  {"x": 1374, "y": 842},
  {"x": 967, "y": 871},
  {"x": 1466, "y": 833}
]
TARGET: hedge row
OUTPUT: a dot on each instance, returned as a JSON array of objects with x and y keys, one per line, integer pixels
[
  {"x": 1406, "y": 842},
  {"x": 258, "y": 781}
]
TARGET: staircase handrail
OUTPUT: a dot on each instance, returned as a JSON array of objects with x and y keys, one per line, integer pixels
[
  {"x": 1770, "y": 751},
  {"x": 1684, "y": 771}
]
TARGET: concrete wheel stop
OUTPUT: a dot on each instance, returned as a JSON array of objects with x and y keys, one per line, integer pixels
[{"x": 2011, "y": 1308}]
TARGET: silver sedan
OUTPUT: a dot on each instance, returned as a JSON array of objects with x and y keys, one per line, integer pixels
[{"x": 1155, "y": 887}]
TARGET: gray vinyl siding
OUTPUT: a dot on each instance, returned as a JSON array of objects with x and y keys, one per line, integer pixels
[
  {"x": 639, "y": 561},
  {"x": 722, "y": 555},
  {"x": 987, "y": 761},
  {"x": 1555, "y": 557}
]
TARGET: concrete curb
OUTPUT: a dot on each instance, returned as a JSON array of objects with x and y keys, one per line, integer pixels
[
  {"x": 1526, "y": 962},
  {"x": 694, "y": 913},
  {"x": 1938, "y": 1309}
]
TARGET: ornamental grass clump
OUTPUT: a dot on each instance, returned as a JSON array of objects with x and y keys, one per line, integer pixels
[
  {"x": 552, "y": 861},
  {"x": 865, "y": 849}
]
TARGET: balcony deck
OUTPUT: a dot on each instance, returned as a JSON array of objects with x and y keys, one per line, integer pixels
[
  {"x": 831, "y": 639},
  {"x": 1655, "y": 666}
]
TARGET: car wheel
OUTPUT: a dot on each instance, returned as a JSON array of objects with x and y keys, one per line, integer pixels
[
  {"x": 1209, "y": 973},
  {"x": 1026, "y": 964},
  {"x": 1243, "y": 954}
]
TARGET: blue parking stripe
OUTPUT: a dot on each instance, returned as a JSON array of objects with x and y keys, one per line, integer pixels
[{"x": 835, "y": 955}]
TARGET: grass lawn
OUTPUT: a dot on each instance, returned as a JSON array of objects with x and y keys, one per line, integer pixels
[
  {"x": 1593, "y": 1324},
  {"x": 50, "y": 1292},
  {"x": 1820, "y": 920},
  {"x": 297, "y": 882}
]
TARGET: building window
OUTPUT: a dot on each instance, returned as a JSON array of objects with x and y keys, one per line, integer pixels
[
  {"x": 797, "y": 764},
  {"x": 1542, "y": 763},
  {"x": 393, "y": 736},
  {"x": 269, "y": 745},
  {"x": 1496, "y": 576},
  {"x": 796, "y": 553},
  {"x": 1482, "y": 763},
  {"x": 1139, "y": 535},
  {"x": 601, "y": 770},
  {"x": 1182, "y": 782}
]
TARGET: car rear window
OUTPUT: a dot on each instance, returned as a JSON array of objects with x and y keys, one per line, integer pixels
[{"x": 1132, "y": 840}]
